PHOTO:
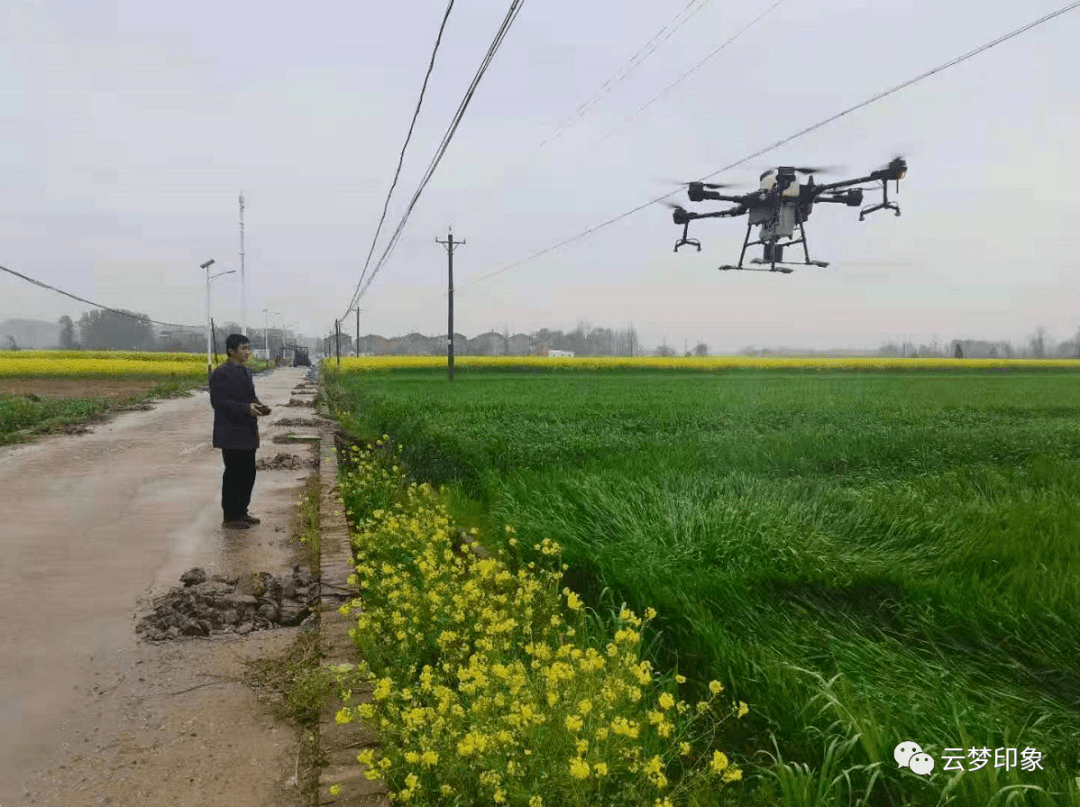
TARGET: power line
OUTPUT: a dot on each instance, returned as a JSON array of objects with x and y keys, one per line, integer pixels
[
  {"x": 694, "y": 69},
  {"x": 96, "y": 305},
  {"x": 401, "y": 157},
  {"x": 511, "y": 15},
  {"x": 788, "y": 139},
  {"x": 623, "y": 72}
]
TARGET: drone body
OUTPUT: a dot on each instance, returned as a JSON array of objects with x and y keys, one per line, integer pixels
[{"x": 781, "y": 205}]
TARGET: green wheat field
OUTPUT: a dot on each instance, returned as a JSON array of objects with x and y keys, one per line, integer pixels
[{"x": 864, "y": 558}]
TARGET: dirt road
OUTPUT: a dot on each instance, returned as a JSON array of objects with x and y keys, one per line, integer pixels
[{"x": 93, "y": 526}]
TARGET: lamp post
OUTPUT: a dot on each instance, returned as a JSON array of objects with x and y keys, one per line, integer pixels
[
  {"x": 209, "y": 278},
  {"x": 266, "y": 330}
]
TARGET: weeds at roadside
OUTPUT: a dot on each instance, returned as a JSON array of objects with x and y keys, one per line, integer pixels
[
  {"x": 308, "y": 511},
  {"x": 295, "y": 684}
]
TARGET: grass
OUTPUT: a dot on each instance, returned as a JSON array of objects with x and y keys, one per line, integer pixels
[{"x": 864, "y": 558}]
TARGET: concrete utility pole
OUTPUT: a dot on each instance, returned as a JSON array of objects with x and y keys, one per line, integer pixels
[
  {"x": 450, "y": 244},
  {"x": 337, "y": 333},
  {"x": 209, "y": 362},
  {"x": 243, "y": 282}
]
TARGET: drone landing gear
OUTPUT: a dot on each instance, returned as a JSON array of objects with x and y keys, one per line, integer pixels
[
  {"x": 684, "y": 240},
  {"x": 885, "y": 204},
  {"x": 773, "y": 254},
  {"x": 782, "y": 269}
]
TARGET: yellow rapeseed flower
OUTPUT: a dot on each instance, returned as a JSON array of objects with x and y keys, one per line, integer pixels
[
  {"x": 579, "y": 768},
  {"x": 715, "y": 687},
  {"x": 719, "y": 762},
  {"x": 666, "y": 701}
]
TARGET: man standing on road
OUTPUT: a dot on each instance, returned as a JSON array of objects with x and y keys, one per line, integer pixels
[{"x": 236, "y": 430}]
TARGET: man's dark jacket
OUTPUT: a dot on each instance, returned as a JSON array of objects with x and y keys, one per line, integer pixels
[{"x": 232, "y": 392}]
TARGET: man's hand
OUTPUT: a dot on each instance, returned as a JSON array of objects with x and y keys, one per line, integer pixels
[{"x": 259, "y": 409}]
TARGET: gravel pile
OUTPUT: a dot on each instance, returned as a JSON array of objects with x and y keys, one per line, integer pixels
[
  {"x": 289, "y": 462},
  {"x": 216, "y": 606},
  {"x": 309, "y": 422},
  {"x": 298, "y": 402}
]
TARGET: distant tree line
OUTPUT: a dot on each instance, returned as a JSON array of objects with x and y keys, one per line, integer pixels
[
  {"x": 109, "y": 330},
  {"x": 584, "y": 340},
  {"x": 1039, "y": 345}
]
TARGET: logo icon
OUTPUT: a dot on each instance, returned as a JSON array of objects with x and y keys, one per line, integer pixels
[{"x": 910, "y": 755}]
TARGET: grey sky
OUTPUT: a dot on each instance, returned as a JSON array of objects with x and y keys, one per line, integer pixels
[{"x": 130, "y": 128}]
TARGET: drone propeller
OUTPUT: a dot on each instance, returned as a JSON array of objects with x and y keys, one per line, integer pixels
[
  {"x": 715, "y": 186},
  {"x": 821, "y": 169}
]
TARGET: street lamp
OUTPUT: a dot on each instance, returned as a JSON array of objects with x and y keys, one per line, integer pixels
[
  {"x": 209, "y": 360},
  {"x": 266, "y": 330}
]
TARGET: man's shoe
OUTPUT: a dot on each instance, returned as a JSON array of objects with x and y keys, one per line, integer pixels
[
  {"x": 236, "y": 524},
  {"x": 250, "y": 519}
]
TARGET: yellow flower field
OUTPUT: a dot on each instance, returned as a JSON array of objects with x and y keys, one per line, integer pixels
[
  {"x": 156, "y": 356},
  {"x": 105, "y": 364},
  {"x": 707, "y": 364}
]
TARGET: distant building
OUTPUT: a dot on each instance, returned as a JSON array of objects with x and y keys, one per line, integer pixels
[
  {"x": 488, "y": 344},
  {"x": 561, "y": 353},
  {"x": 519, "y": 344}
]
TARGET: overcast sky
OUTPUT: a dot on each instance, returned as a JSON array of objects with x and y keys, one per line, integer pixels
[{"x": 131, "y": 127}]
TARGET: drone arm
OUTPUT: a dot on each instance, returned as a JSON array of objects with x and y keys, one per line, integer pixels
[
  {"x": 847, "y": 183},
  {"x": 852, "y": 198},
  {"x": 731, "y": 212},
  {"x": 720, "y": 197}
]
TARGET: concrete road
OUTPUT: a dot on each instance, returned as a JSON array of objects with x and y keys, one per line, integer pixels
[{"x": 91, "y": 526}]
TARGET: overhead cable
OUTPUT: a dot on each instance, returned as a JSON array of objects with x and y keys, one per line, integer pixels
[
  {"x": 788, "y": 139},
  {"x": 401, "y": 157},
  {"x": 508, "y": 21},
  {"x": 694, "y": 69},
  {"x": 638, "y": 58},
  {"x": 96, "y": 305}
]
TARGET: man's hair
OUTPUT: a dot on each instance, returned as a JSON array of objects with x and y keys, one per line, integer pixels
[{"x": 234, "y": 340}]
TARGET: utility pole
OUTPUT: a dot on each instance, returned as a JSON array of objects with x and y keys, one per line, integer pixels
[
  {"x": 450, "y": 244},
  {"x": 358, "y": 331},
  {"x": 243, "y": 282},
  {"x": 337, "y": 336}
]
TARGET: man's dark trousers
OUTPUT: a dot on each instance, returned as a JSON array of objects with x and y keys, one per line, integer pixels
[{"x": 237, "y": 482}]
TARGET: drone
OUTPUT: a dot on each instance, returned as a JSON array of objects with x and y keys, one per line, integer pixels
[{"x": 781, "y": 205}]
